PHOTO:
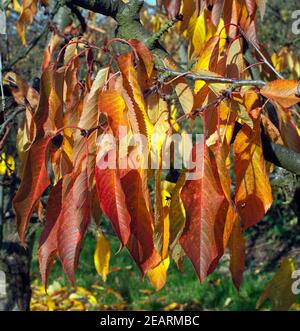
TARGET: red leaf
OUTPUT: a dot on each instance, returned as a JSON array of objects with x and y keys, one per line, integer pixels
[
  {"x": 48, "y": 241},
  {"x": 34, "y": 182},
  {"x": 204, "y": 202},
  {"x": 140, "y": 244},
  {"x": 73, "y": 222},
  {"x": 112, "y": 201}
]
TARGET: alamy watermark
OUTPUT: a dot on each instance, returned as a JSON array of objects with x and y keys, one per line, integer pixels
[
  {"x": 2, "y": 284},
  {"x": 296, "y": 22},
  {"x": 133, "y": 151},
  {"x": 296, "y": 283}
]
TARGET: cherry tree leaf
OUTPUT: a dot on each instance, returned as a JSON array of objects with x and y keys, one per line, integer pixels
[
  {"x": 140, "y": 244},
  {"x": 112, "y": 103},
  {"x": 73, "y": 222},
  {"x": 198, "y": 239},
  {"x": 33, "y": 183},
  {"x": 112, "y": 201},
  {"x": 134, "y": 97},
  {"x": 102, "y": 256},
  {"x": 237, "y": 253},
  {"x": 279, "y": 289},
  {"x": 282, "y": 91},
  {"x": 253, "y": 191},
  {"x": 48, "y": 241}
]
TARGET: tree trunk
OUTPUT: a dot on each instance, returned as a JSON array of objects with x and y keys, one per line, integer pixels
[{"x": 15, "y": 261}]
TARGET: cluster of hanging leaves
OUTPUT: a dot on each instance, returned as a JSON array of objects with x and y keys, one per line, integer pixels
[
  {"x": 198, "y": 219},
  {"x": 27, "y": 12}
]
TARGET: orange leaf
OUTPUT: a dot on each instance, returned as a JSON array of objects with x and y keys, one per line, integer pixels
[
  {"x": 29, "y": 9},
  {"x": 111, "y": 103},
  {"x": 282, "y": 91},
  {"x": 253, "y": 191},
  {"x": 144, "y": 54},
  {"x": 134, "y": 98}
]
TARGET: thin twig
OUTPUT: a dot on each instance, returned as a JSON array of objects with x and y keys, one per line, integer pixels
[
  {"x": 10, "y": 118},
  {"x": 266, "y": 62},
  {"x": 213, "y": 79},
  {"x": 34, "y": 42}
]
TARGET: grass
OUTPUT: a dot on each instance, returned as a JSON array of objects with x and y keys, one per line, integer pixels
[{"x": 125, "y": 289}]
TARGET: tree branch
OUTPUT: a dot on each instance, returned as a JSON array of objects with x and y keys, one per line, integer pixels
[
  {"x": 78, "y": 15},
  {"x": 104, "y": 7},
  {"x": 11, "y": 118},
  {"x": 280, "y": 155},
  {"x": 212, "y": 79}
]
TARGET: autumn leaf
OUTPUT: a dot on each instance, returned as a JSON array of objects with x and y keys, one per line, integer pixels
[
  {"x": 29, "y": 9},
  {"x": 185, "y": 97},
  {"x": 112, "y": 103},
  {"x": 284, "y": 92},
  {"x": 177, "y": 212},
  {"x": 140, "y": 243},
  {"x": 7, "y": 164},
  {"x": 48, "y": 241},
  {"x": 49, "y": 114},
  {"x": 34, "y": 182},
  {"x": 144, "y": 54},
  {"x": 102, "y": 256},
  {"x": 158, "y": 275},
  {"x": 112, "y": 200},
  {"x": 89, "y": 119},
  {"x": 134, "y": 99},
  {"x": 16, "y": 6},
  {"x": 279, "y": 289},
  {"x": 73, "y": 222},
  {"x": 198, "y": 238},
  {"x": 253, "y": 191},
  {"x": 237, "y": 253}
]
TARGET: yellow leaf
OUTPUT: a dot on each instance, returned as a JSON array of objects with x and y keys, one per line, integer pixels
[
  {"x": 16, "y": 6},
  {"x": 279, "y": 289},
  {"x": 102, "y": 256},
  {"x": 177, "y": 211},
  {"x": 171, "y": 306},
  {"x": 29, "y": 10},
  {"x": 158, "y": 275},
  {"x": 198, "y": 31},
  {"x": 7, "y": 164},
  {"x": 185, "y": 97}
]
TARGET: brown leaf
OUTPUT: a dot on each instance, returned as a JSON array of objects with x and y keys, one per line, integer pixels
[{"x": 237, "y": 253}]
